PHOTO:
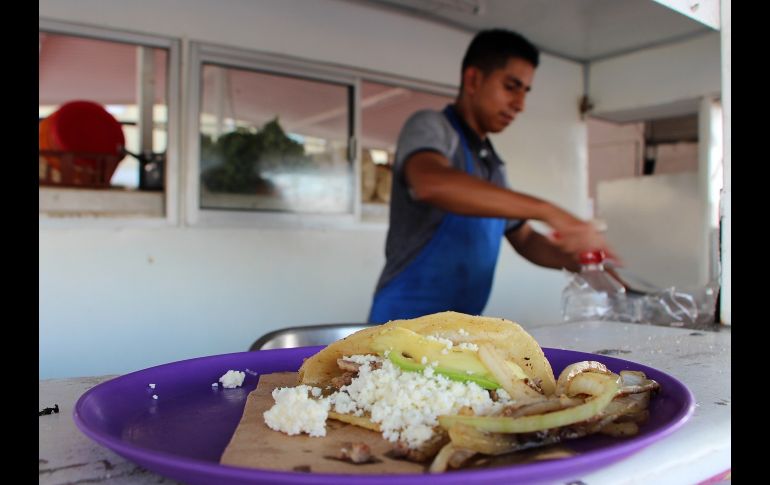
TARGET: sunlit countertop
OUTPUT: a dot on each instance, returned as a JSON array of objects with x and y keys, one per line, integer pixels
[{"x": 698, "y": 452}]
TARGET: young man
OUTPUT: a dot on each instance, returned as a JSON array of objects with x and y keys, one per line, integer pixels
[{"x": 450, "y": 202}]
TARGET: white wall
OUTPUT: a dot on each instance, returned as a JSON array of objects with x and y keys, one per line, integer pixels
[
  {"x": 656, "y": 225},
  {"x": 122, "y": 299},
  {"x": 614, "y": 151},
  {"x": 658, "y": 82},
  {"x": 116, "y": 300}
]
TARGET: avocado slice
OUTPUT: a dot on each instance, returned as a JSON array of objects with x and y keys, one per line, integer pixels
[
  {"x": 408, "y": 364},
  {"x": 407, "y": 349}
]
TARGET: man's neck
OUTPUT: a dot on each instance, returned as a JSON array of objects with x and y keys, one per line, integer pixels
[{"x": 464, "y": 110}]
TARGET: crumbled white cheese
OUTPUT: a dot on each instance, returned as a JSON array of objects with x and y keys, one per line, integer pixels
[
  {"x": 463, "y": 332},
  {"x": 424, "y": 360},
  {"x": 448, "y": 344},
  {"x": 155, "y": 396},
  {"x": 232, "y": 379},
  {"x": 152, "y": 386},
  {"x": 406, "y": 405},
  {"x": 294, "y": 412},
  {"x": 445, "y": 341}
]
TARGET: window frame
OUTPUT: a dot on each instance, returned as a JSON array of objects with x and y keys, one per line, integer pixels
[
  {"x": 170, "y": 193},
  {"x": 201, "y": 53}
]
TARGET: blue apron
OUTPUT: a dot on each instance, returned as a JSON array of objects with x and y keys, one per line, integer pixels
[{"x": 454, "y": 271}]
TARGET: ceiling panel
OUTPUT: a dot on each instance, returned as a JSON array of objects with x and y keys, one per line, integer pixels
[{"x": 580, "y": 30}]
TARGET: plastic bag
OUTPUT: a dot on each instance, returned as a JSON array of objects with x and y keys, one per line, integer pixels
[{"x": 669, "y": 306}]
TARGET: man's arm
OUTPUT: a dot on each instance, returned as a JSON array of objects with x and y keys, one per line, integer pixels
[
  {"x": 432, "y": 180},
  {"x": 540, "y": 250}
]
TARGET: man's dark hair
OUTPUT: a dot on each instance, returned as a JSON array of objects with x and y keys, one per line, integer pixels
[{"x": 491, "y": 49}]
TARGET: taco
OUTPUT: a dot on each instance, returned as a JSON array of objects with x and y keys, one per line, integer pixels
[
  {"x": 449, "y": 386},
  {"x": 503, "y": 339}
]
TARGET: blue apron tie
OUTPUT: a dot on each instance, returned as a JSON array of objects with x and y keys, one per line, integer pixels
[{"x": 454, "y": 270}]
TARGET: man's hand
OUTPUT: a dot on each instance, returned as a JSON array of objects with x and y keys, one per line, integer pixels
[
  {"x": 575, "y": 236},
  {"x": 541, "y": 250}
]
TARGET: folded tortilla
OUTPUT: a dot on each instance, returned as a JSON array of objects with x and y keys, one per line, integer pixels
[{"x": 510, "y": 339}]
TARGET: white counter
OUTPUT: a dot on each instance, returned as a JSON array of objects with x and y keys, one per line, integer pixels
[{"x": 697, "y": 452}]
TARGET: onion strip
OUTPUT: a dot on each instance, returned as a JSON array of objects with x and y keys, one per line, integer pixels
[{"x": 538, "y": 422}]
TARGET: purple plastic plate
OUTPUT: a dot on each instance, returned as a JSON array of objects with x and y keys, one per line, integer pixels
[{"x": 182, "y": 434}]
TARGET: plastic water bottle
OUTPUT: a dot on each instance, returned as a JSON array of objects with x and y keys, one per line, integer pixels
[
  {"x": 592, "y": 292},
  {"x": 593, "y": 272}
]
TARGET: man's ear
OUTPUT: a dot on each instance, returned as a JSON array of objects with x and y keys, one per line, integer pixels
[{"x": 471, "y": 79}]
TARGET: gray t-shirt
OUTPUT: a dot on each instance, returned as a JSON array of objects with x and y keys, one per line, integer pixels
[{"x": 413, "y": 223}]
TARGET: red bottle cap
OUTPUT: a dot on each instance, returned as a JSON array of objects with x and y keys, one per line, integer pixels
[{"x": 592, "y": 257}]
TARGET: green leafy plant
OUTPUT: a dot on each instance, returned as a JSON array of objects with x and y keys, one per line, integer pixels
[{"x": 236, "y": 161}]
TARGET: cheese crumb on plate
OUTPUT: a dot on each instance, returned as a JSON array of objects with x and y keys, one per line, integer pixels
[{"x": 232, "y": 379}]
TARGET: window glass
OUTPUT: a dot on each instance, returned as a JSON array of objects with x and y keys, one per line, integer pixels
[
  {"x": 87, "y": 85},
  {"x": 272, "y": 142},
  {"x": 384, "y": 109}
]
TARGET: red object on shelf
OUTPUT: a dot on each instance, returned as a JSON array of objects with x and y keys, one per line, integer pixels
[{"x": 88, "y": 135}]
